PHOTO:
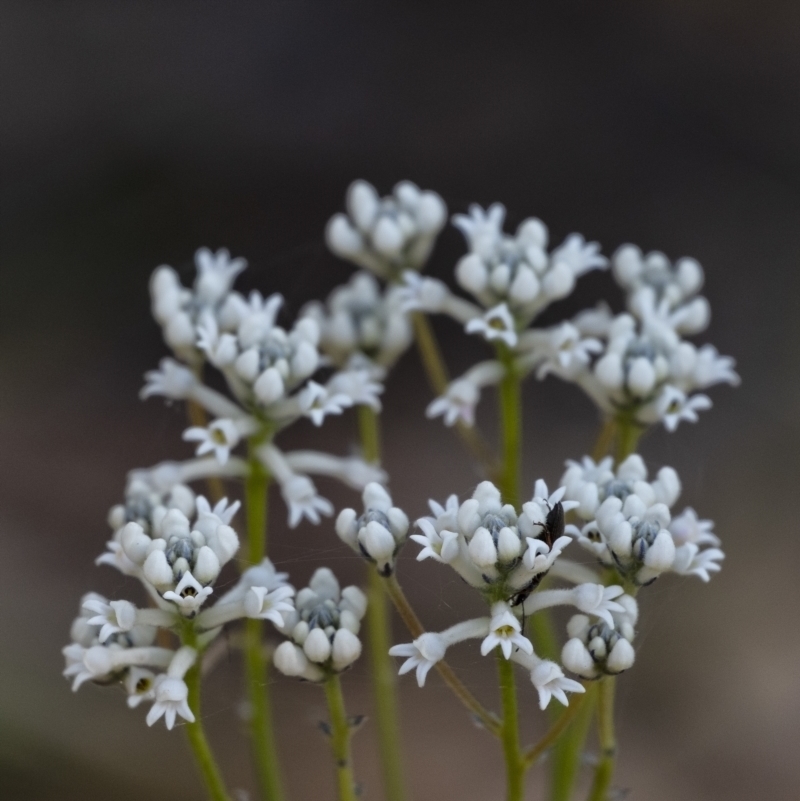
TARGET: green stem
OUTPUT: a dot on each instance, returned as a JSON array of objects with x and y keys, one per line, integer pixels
[
  {"x": 629, "y": 432},
  {"x": 384, "y": 685},
  {"x": 379, "y": 625},
  {"x": 196, "y": 733},
  {"x": 510, "y": 396},
  {"x": 340, "y": 739},
  {"x": 568, "y": 751},
  {"x": 515, "y": 766},
  {"x": 608, "y": 744},
  {"x": 261, "y": 723},
  {"x": 605, "y": 439}
]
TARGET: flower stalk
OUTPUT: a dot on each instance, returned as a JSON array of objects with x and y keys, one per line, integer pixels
[
  {"x": 261, "y": 723},
  {"x": 515, "y": 763},
  {"x": 604, "y": 771},
  {"x": 209, "y": 770},
  {"x": 510, "y": 396},
  {"x": 340, "y": 739},
  {"x": 379, "y": 626}
]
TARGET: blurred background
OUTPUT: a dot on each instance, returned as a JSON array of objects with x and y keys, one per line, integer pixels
[{"x": 133, "y": 133}]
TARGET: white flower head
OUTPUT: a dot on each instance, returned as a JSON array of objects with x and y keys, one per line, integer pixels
[{"x": 379, "y": 532}]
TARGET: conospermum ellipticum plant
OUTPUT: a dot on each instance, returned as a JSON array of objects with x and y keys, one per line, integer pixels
[{"x": 592, "y": 540}]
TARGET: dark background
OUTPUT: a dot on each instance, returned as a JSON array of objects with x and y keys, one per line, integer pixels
[{"x": 133, "y": 133}]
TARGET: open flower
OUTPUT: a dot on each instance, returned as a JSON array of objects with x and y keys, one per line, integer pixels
[{"x": 505, "y": 630}]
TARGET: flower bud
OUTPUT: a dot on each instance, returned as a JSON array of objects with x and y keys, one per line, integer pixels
[
  {"x": 157, "y": 570},
  {"x": 621, "y": 657},
  {"x": 641, "y": 377},
  {"x": 576, "y": 658},
  {"x": 289, "y": 659},
  {"x": 135, "y": 542},
  {"x": 482, "y": 550},
  {"x": 387, "y": 236},
  {"x": 269, "y": 386},
  {"x": 317, "y": 646},
  {"x": 342, "y": 238},
  {"x": 346, "y": 649},
  {"x": 206, "y": 566}
]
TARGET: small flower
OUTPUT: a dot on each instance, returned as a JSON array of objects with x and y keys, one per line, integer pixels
[
  {"x": 316, "y": 402},
  {"x": 260, "y": 603},
  {"x": 550, "y": 682},
  {"x": 495, "y": 324},
  {"x": 422, "y": 654},
  {"x": 140, "y": 685},
  {"x": 220, "y": 438},
  {"x": 673, "y": 405},
  {"x": 302, "y": 499},
  {"x": 113, "y": 617},
  {"x": 457, "y": 404},
  {"x": 505, "y": 630},
  {"x": 172, "y": 380},
  {"x": 171, "y": 700},
  {"x": 441, "y": 546}
]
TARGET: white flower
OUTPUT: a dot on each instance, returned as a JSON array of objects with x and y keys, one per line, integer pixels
[
  {"x": 673, "y": 405},
  {"x": 379, "y": 532},
  {"x": 113, "y": 617},
  {"x": 463, "y": 394},
  {"x": 216, "y": 273},
  {"x": 495, "y": 324},
  {"x": 457, "y": 404},
  {"x": 505, "y": 630},
  {"x": 171, "y": 700},
  {"x": 358, "y": 386},
  {"x": 140, "y": 685},
  {"x": 441, "y": 546},
  {"x": 687, "y": 527},
  {"x": 261, "y": 603},
  {"x": 220, "y": 438},
  {"x": 422, "y": 654},
  {"x": 550, "y": 682},
  {"x": 302, "y": 499},
  {"x": 172, "y": 380},
  {"x": 595, "y": 649},
  {"x": 316, "y": 402},
  {"x": 189, "y": 595}
]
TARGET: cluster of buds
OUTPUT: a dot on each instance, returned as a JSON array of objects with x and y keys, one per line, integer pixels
[
  {"x": 638, "y": 364},
  {"x": 628, "y": 524},
  {"x": 505, "y": 556},
  {"x": 180, "y": 310},
  {"x": 501, "y": 553},
  {"x": 377, "y": 534},
  {"x": 597, "y": 648},
  {"x": 322, "y": 630},
  {"x": 387, "y": 235},
  {"x": 175, "y": 543},
  {"x": 512, "y": 278},
  {"x": 361, "y": 324}
]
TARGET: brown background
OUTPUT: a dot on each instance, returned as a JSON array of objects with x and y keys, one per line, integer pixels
[{"x": 133, "y": 133}]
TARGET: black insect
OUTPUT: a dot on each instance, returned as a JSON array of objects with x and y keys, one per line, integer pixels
[{"x": 552, "y": 529}]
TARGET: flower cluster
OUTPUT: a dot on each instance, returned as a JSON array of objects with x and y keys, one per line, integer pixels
[
  {"x": 638, "y": 364},
  {"x": 504, "y": 555},
  {"x": 175, "y": 543},
  {"x": 628, "y": 525},
  {"x": 362, "y": 326},
  {"x": 513, "y": 278},
  {"x": 390, "y": 234},
  {"x": 268, "y": 371},
  {"x": 322, "y": 630}
]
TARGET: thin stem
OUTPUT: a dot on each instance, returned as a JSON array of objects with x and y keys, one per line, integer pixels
[
  {"x": 379, "y": 625},
  {"x": 608, "y": 744},
  {"x": 605, "y": 439},
  {"x": 370, "y": 433},
  {"x": 261, "y": 724},
  {"x": 340, "y": 739},
  {"x": 487, "y": 719},
  {"x": 568, "y": 750},
  {"x": 384, "y": 685},
  {"x": 197, "y": 736},
  {"x": 515, "y": 766},
  {"x": 562, "y": 723},
  {"x": 435, "y": 369},
  {"x": 510, "y": 397},
  {"x": 629, "y": 432}
]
